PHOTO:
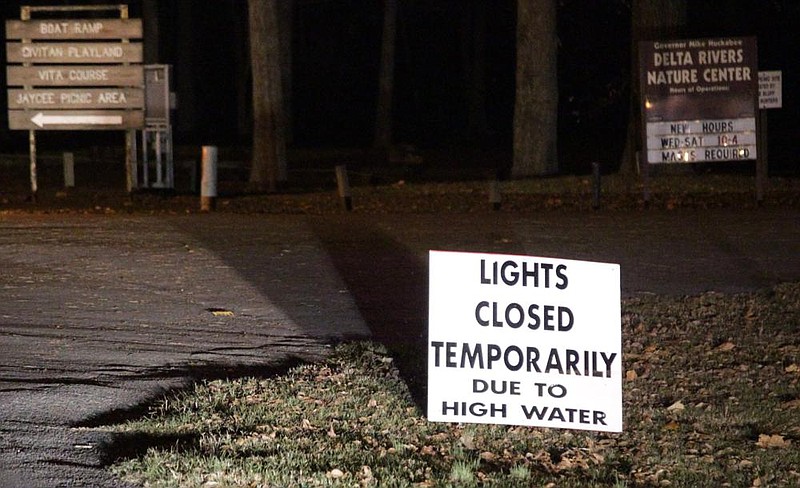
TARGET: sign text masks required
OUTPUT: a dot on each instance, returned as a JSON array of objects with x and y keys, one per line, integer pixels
[
  {"x": 691, "y": 141},
  {"x": 524, "y": 341}
]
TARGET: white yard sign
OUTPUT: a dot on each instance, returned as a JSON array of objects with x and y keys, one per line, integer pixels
[
  {"x": 770, "y": 89},
  {"x": 522, "y": 340}
]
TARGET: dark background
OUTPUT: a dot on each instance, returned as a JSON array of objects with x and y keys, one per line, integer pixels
[{"x": 335, "y": 58}]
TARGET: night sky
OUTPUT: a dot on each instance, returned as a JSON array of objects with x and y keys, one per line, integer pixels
[{"x": 336, "y": 49}]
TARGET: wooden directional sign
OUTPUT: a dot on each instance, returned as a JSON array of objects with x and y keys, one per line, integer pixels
[
  {"x": 85, "y": 52},
  {"x": 76, "y": 99},
  {"x": 75, "y": 74},
  {"x": 55, "y": 75},
  {"x": 65, "y": 29},
  {"x": 75, "y": 119}
]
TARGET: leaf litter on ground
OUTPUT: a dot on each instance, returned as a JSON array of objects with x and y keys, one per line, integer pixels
[{"x": 711, "y": 394}]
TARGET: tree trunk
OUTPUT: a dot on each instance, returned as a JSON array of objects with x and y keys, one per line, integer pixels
[
  {"x": 150, "y": 19},
  {"x": 473, "y": 59},
  {"x": 536, "y": 104},
  {"x": 650, "y": 20},
  {"x": 242, "y": 72},
  {"x": 269, "y": 150},
  {"x": 285, "y": 27},
  {"x": 383, "y": 115},
  {"x": 186, "y": 113}
]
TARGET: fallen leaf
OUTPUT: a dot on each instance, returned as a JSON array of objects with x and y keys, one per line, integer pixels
[
  {"x": 726, "y": 346},
  {"x": 366, "y": 473},
  {"x": 791, "y": 404},
  {"x": 792, "y": 368},
  {"x": 671, "y": 425},
  {"x": 488, "y": 456},
  {"x": 335, "y": 473},
  {"x": 468, "y": 440},
  {"x": 676, "y": 407},
  {"x": 776, "y": 441},
  {"x": 631, "y": 375},
  {"x": 220, "y": 312}
]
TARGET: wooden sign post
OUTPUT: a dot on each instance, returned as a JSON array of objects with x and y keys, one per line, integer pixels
[{"x": 75, "y": 74}]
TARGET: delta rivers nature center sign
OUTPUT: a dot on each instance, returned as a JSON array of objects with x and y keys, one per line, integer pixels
[
  {"x": 699, "y": 99},
  {"x": 522, "y": 340}
]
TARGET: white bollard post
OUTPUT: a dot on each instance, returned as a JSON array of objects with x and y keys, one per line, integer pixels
[
  {"x": 208, "y": 181},
  {"x": 69, "y": 170}
]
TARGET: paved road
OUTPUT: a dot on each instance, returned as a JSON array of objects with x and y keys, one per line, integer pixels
[{"x": 100, "y": 315}]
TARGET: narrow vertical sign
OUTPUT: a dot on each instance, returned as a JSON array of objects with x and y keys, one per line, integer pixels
[
  {"x": 522, "y": 340},
  {"x": 770, "y": 89}
]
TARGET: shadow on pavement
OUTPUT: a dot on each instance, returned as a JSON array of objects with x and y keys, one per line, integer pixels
[
  {"x": 389, "y": 285},
  {"x": 328, "y": 277}
]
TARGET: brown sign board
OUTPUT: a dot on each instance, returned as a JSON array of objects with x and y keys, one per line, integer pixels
[
  {"x": 67, "y": 29},
  {"x": 55, "y": 75},
  {"x": 75, "y": 52},
  {"x": 88, "y": 98},
  {"x": 75, "y": 119},
  {"x": 75, "y": 74},
  {"x": 699, "y": 99}
]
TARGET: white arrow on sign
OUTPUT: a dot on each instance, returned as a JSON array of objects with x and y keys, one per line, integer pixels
[{"x": 41, "y": 119}]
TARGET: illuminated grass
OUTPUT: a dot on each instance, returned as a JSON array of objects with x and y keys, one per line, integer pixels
[{"x": 712, "y": 397}]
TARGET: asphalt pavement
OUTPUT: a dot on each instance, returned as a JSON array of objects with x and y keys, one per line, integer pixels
[{"x": 101, "y": 315}]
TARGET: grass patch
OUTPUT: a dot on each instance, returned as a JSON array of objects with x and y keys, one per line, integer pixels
[{"x": 711, "y": 398}]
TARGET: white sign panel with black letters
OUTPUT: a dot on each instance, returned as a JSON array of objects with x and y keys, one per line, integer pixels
[
  {"x": 770, "y": 89},
  {"x": 522, "y": 340}
]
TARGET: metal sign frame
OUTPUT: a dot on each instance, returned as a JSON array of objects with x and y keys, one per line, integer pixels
[{"x": 157, "y": 131}]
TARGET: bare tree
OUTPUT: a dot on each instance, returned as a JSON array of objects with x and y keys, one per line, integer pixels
[
  {"x": 536, "y": 104},
  {"x": 269, "y": 147},
  {"x": 186, "y": 115},
  {"x": 473, "y": 59},
  {"x": 650, "y": 20},
  {"x": 285, "y": 27},
  {"x": 383, "y": 116},
  {"x": 151, "y": 37}
]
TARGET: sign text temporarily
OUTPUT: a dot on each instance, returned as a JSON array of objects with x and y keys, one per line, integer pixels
[{"x": 524, "y": 341}]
